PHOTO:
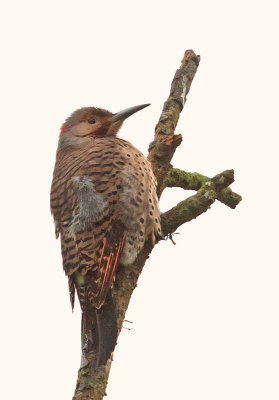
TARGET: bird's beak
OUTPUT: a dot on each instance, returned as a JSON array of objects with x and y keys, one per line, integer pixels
[{"x": 127, "y": 112}]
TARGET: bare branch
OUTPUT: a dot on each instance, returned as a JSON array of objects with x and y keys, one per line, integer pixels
[
  {"x": 194, "y": 181},
  {"x": 165, "y": 142},
  {"x": 92, "y": 382},
  {"x": 195, "y": 205}
]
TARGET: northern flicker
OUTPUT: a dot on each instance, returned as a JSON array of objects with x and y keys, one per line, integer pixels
[{"x": 105, "y": 206}]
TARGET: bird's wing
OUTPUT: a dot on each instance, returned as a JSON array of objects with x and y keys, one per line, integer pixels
[
  {"x": 103, "y": 198},
  {"x": 85, "y": 191},
  {"x": 98, "y": 279}
]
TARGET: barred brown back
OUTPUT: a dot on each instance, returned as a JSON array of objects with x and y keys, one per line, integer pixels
[{"x": 104, "y": 203}]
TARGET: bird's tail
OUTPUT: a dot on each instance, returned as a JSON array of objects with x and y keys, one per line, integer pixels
[{"x": 98, "y": 333}]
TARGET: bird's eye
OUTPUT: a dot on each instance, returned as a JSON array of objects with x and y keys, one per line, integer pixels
[{"x": 91, "y": 121}]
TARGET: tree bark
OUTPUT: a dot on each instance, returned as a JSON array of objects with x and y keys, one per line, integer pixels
[{"x": 91, "y": 383}]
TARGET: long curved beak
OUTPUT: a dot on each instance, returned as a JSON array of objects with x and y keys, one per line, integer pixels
[{"x": 127, "y": 112}]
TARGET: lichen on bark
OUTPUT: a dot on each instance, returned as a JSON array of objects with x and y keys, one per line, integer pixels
[{"x": 193, "y": 181}]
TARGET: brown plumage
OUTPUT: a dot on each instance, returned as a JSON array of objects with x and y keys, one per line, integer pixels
[{"x": 104, "y": 204}]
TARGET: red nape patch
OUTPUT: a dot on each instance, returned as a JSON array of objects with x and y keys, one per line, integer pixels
[{"x": 63, "y": 127}]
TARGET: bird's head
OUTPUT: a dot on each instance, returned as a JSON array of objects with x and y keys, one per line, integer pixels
[{"x": 95, "y": 122}]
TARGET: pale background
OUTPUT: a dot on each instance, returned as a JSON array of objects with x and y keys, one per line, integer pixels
[{"x": 205, "y": 313}]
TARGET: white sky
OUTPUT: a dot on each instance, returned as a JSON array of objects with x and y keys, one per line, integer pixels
[{"x": 205, "y": 313}]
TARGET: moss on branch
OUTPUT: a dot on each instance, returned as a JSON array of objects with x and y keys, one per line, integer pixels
[
  {"x": 194, "y": 181},
  {"x": 197, "y": 204}
]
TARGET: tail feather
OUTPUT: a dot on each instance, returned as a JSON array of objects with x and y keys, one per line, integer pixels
[
  {"x": 111, "y": 249},
  {"x": 72, "y": 290},
  {"x": 98, "y": 333}
]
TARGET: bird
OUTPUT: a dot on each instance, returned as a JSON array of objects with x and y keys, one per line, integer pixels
[{"x": 105, "y": 207}]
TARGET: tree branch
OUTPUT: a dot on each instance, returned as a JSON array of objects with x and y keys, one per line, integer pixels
[
  {"x": 194, "y": 181},
  {"x": 195, "y": 205},
  {"x": 161, "y": 150}
]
